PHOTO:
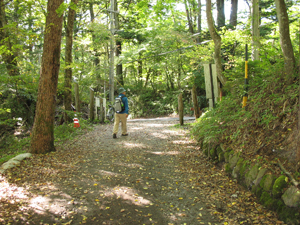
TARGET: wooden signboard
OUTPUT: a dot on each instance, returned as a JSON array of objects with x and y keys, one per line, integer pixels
[{"x": 211, "y": 84}]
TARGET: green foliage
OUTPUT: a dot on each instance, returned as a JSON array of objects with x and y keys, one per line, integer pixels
[{"x": 266, "y": 106}]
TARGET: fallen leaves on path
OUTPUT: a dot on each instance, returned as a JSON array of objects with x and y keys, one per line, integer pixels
[{"x": 156, "y": 175}]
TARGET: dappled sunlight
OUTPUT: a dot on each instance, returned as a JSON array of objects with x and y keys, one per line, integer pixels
[
  {"x": 133, "y": 145},
  {"x": 165, "y": 153},
  {"x": 108, "y": 173},
  {"x": 130, "y": 165},
  {"x": 160, "y": 135},
  {"x": 181, "y": 142},
  {"x": 128, "y": 194},
  {"x": 10, "y": 191}
]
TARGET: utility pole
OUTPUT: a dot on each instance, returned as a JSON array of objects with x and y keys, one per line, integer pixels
[{"x": 112, "y": 52}]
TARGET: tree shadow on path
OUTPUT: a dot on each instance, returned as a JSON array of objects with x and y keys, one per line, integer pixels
[{"x": 143, "y": 178}]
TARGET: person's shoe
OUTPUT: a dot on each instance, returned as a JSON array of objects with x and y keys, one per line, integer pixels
[
  {"x": 114, "y": 135},
  {"x": 124, "y": 134}
]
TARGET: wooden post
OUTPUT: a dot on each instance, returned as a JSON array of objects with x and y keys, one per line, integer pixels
[
  {"x": 195, "y": 102},
  {"x": 102, "y": 113},
  {"x": 180, "y": 109},
  {"x": 92, "y": 105},
  {"x": 77, "y": 100}
]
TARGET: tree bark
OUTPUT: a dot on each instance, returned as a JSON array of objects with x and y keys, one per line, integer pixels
[
  {"x": 42, "y": 140},
  {"x": 92, "y": 105},
  {"x": 199, "y": 38},
  {"x": 220, "y": 14},
  {"x": 189, "y": 17},
  {"x": 77, "y": 100},
  {"x": 180, "y": 109},
  {"x": 285, "y": 40},
  {"x": 255, "y": 30},
  {"x": 233, "y": 13},
  {"x": 195, "y": 102},
  {"x": 217, "y": 41},
  {"x": 119, "y": 66},
  {"x": 298, "y": 139},
  {"x": 69, "y": 60}
]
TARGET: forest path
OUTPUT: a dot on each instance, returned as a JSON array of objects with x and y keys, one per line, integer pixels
[{"x": 156, "y": 175}]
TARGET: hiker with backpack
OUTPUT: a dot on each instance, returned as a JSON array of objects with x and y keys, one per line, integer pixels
[{"x": 121, "y": 113}]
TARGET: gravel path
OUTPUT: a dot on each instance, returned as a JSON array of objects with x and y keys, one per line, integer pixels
[{"x": 156, "y": 175}]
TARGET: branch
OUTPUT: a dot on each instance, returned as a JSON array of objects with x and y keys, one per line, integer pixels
[{"x": 289, "y": 174}]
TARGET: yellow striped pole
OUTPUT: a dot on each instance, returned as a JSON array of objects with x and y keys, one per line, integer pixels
[{"x": 245, "y": 97}]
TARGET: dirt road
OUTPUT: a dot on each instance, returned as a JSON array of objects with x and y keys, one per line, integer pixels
[{"x": 156, "y": 175}]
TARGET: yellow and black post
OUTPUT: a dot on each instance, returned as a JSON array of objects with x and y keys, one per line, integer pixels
[{"x": 245, "y": 97}]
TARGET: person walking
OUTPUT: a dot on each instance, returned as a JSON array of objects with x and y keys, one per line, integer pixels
[{"x": 121, "y": 116}]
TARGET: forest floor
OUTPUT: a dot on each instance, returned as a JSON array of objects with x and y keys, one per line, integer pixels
[{"x": 156, "y": 175}]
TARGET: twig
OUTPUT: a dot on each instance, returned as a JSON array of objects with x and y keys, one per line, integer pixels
[{"x": 289, "y": 174}]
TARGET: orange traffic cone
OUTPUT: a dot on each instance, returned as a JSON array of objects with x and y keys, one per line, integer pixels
[{"x": 76, "y": 122}]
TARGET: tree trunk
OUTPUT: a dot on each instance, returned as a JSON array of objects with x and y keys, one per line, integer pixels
[
  {"x": 96, "y": 55},
  {"x": 119, "y": 66},
  {"x": 189, "y": 17},
  {"x": 255, "y": 30},
  {"x": 298, "y": 139},
  {"x": 199, "y": 38},
  {"x": 285, "y": 40},
  {"x": 220, "y": 14},
  {"x": 42, "y": 140},
  {"x": 195, "y": 103},
  {"x": 233, "y": 13},
  {"x": 147, "y": 77},
  {"x": 77, "y": 100},
  {"x": 217, "y": 41},
  {"x": 180, "y": 109},
  {"x": 92, "y": 105},
  {"x": 68, "y": 60}
]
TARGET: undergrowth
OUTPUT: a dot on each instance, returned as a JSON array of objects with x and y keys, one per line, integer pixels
[
  {"x": 263, "y": 126},
  {"x": 15, "y": 145}
]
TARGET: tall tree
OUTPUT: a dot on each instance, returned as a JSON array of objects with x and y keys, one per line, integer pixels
[
  {"x": 255, "y": 30},
  {"x": 189, "y": 17},
  {"x": 220, "y": 13},
  {"x": 285, "y": 40},
  {"x": 217, "y": 41},
  {"x": 68, "y": 59},
  {"x": 233, "y": 13},
  {"x": 119, "y": 66},
  {"x": 199, "y": 21},
  {"x": 42, "y": 140}
]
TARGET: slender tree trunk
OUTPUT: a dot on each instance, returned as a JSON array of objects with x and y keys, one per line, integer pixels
[
  {"x": 92, "y": 105},
  {"x": 285, "y": 40},
  {"x": 189, "y": 17},
  {"x": 69, "y": 60},
  {"x": 195, "y": 103},
  {"x": 180, "y": 109},
  {"x": 217, "y": 41},
  {"x": 42, "y": 140},
  {"x": 119, "y": 66},
  {"x": 221, "y": 13},
  {"x": 199, "y": 39},
  {"x": 96, "y": 55},
  {"x": 233, "y": 13},
  {"x": 298, "y": 139},
  {"x": 147, "y": 77},
  {"x": 255, "y": 30}
]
